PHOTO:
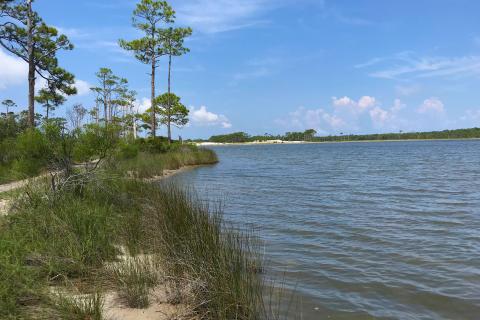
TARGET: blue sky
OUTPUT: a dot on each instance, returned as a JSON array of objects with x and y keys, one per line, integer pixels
[{"x": 271, "y": 66}]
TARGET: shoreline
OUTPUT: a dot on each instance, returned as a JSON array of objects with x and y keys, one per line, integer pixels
[
  {"x": 167, "y": 173},
  {"x": 219, "y": 144},
  {"x": 5, "y": 199}
]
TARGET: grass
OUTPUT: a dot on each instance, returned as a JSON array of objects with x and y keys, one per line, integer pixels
[
  {"x": 73, "y": 235},
  {"x": 148, "y": 165},
  {"x": 214, "y": 261},
  {"x": 135, "y": 278},
  {"x": 85, "y": 307}
]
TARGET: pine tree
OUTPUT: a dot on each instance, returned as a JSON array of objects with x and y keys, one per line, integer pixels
[
  {"x": 173, "y": 39},
  {"x": 25, "y": 35},
  {"x": 148, "y": 17}
]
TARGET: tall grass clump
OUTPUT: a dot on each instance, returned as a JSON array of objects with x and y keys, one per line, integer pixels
[
  {"x": 85, "y": 307},
  {"x": 67, "y": 236},
  {"x": 211, "y": 266},
  {"x": 135, "y": 277}
]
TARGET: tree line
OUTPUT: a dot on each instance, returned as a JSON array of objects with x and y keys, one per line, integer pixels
[
  {"x": 24, "y": 34},
  {"x": 310, "y": 135}
]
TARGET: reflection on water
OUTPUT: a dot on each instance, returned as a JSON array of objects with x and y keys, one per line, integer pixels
[{"x": 361, "y": 230}]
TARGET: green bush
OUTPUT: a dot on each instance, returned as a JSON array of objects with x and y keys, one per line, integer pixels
[
  {"x": 96, "y": 142},
  {"x": 128, "y": 151},
  {"x": 32, "y": 153}
]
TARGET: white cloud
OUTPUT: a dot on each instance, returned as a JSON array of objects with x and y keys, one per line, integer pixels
[
  {"x": 388, "y": 119},
  {"x": 366, "y": 102},
  {"x": 379, "y": 115},
  {"x": 318, "y": 119},
  {"x": 408, "y": 65},
  {"x": 343, "y": 102},
  {"x": 13, "y": 71},
  {"x": 398, "y": 105},
  {"x": 143, "y": 105},
  {"x": 363, "y": 103},
  {"x": 83, "y": 87},
  {"x": 432, "y": 105},
  {"x": 203, "y": 117}
]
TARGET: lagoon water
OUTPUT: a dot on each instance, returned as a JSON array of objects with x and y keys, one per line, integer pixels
[{"x": 360, "y": 230}]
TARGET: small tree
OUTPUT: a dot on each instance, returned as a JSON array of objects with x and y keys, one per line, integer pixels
[
  {"x": 309, "y": 134},
  {"x": 109, "y": 92},
  {"x": 148, "y": 17},
  {"x": 76, "y": 115},
  {"x": 171, "y": 110},
  {"x": 8, "y": 104},
  {"x": 50, "y": 100}
]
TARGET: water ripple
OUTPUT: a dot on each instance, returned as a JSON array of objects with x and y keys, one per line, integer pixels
[{"x": 361, "y": 230}]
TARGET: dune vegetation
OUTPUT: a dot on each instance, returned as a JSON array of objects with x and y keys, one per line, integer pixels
[{"x": 82, "y": 234}]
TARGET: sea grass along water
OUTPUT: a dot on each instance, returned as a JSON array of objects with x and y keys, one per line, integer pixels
[{"x": 361, "y": 230}]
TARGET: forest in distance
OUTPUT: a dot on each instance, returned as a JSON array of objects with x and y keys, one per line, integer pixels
[{"x": 311, "y": 136}]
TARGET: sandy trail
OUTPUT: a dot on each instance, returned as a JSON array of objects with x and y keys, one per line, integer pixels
[{"x": 13, "y": 185}]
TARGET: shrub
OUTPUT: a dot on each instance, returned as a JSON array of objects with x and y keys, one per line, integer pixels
[
  {"x": 128, "y": 151},
  {"x": 32, "y": 153}
]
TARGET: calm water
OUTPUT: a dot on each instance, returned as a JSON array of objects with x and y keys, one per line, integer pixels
[{"x": 361, "y": 230}]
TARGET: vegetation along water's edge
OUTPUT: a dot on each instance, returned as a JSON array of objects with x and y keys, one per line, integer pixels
[{"x": 100, "y": 242}]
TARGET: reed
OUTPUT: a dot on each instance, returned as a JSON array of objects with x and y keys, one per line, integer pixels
[
  {"x": 83, "y": 307},
  {"x": 135, "y": 277}
]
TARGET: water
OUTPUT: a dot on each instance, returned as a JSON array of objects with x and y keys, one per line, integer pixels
[{"x": 361, "y": 230}]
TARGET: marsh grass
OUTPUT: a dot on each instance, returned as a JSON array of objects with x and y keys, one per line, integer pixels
[
  {"x": 213, "y": 265},
  {"x": 84, "y": 307},
  {"x": 135, "y": 277},
  {"x": 50, "y": 239},
  {"x": 149, "y": 165}
]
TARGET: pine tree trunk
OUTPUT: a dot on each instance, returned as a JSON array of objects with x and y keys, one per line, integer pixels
[
  {"x": 31, "y": 67},
  {"x": 169, "y": 118},
  {"x": 105, "y": 101},
  {"x": 154, "y": 122}
]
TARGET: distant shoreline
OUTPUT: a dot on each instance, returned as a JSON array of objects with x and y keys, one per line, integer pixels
[{"x": 215, "y": 144}]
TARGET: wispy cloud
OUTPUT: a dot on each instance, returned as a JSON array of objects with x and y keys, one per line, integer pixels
[
  {"x": 217, "y": 16},
  {"x": 75, "y": 33},
  {"x": 258, "y": 68},
  {"x": 407, "y": 66}
]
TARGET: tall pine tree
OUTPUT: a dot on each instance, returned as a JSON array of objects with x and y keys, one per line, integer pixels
[
  {"x": 173, "y": 39},
  {"x": 148, "y": 17},
  {"x": 24, "y": 34}
]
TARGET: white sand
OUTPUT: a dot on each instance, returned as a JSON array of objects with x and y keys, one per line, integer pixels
[
  {"x": 4, "y": 205},
  {"x": 158, "y": 310}
]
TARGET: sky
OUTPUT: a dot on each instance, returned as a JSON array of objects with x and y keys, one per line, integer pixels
[{"x": 272, "y": 66}]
